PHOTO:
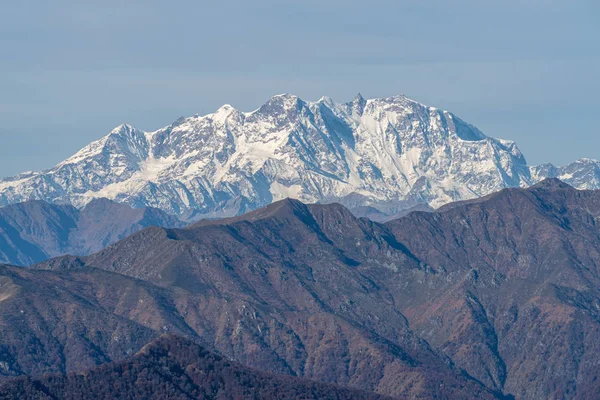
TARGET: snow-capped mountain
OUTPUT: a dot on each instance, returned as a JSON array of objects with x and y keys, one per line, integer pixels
[{"x": 389, "y": 153}]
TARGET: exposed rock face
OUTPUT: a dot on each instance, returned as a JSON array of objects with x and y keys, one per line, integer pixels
[
  {"x": 390, "y": 154},
  {"x": 34, "y": 231},
  {"x": 174, "y": 368}
]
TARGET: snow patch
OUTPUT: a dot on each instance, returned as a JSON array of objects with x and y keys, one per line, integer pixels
[{"x": 281, "y": 192}]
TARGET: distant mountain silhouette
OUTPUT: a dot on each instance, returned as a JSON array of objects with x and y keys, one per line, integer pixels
[{"x": 34, "y": 231}]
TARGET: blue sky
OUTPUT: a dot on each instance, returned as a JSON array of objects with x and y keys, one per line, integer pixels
[{"x": 72, "y": 70}]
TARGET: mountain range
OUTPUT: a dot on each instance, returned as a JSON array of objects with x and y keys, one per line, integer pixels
[
  {"x": 381, "y": 155},
  {"x": 494, "y": 297},
  {"x": 35, "y": 230}
]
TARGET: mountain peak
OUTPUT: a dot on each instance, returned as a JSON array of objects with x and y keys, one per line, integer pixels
[
  {"x": 358, "y": 104},
  {"x": 281, "y": 208},
  {"x": 225, "y": 108},
  {"x": 103, "y": 203},
  {"x": 328, "y": 101},
  {"x": 223, "y": 113},
  {"x": 279, "y": 105},
  {"x": 552, "y": 184},
  {"x": 284, "y": 98},
  {"x": 123, "y": 128}
]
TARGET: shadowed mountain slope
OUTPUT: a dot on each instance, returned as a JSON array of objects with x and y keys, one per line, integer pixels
[
  {"x": 175, "y": 368},
  {"x": 517, "y": 297},
  {"x": 287, "y": 289},
  {"x": 500, "y": 285},
  {"x": 57, "y": 322},
  {"x": 504, "y": 288},
  {"x": 34, "y": 231}
]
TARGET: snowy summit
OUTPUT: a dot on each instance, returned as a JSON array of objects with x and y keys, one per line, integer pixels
[{"x": 388, "y": 153}]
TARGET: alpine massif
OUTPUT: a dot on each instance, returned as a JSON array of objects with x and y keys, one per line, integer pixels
[{"x": 385, "y": 154}]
